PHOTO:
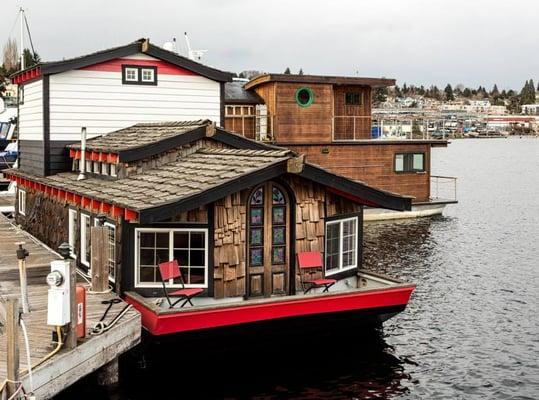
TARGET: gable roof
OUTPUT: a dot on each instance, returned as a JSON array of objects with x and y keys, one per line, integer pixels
[
  {"x": 199, "y": 178},
  {"x": 235, "y": 93},
  {"x": 147, "y": 139},
  {"x": 334, "y": 80},
  {"x": 139, "y": 46}
]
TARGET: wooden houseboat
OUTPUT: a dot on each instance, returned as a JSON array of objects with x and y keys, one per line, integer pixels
[
  {"x": 236, "y": 214},
  {"x": 329, "y": 120}
]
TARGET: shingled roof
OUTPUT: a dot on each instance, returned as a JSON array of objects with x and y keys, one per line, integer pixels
[
  {"x": 151, "y": 138},
  {"x": 235, "y": 93}
]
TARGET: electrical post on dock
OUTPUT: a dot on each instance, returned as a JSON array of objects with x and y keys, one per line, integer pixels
[{"x": 22, "y": 253}]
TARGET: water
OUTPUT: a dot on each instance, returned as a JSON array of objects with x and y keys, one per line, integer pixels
[{"x": 471, "y": 330}]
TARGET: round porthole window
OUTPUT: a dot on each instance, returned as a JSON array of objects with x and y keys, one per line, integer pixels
[{"x": 304, "y": 97}]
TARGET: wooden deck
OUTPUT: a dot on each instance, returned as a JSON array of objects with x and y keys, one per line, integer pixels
[{"x": 67, "y": 366}]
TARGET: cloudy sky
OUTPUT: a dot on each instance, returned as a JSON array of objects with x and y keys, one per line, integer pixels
[{"x": 474, "y": 42}]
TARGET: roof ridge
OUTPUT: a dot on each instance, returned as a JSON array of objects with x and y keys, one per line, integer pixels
[{"x": 247, "y": 152}]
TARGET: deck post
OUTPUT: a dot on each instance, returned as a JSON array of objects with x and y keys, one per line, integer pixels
[
  {"x": 71, "y": 329},
  {"x": 100, "y": 258},
  {"x": 12, "y": 334},
  {"x": 108, "y": 375}
]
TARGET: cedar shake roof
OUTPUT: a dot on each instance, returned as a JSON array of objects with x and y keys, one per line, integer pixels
[
  {"x": 235, "y": 93},
  {"x": 145, "y": 140},
  {"x": 139, "y": 136},
  {"x": 187, "y": 177},
  {"x": 334, "y": 80}
]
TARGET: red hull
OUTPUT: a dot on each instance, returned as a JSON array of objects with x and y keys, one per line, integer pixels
[{"x": 200, "y": 319}]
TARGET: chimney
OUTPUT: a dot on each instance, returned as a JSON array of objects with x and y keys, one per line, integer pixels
[{"x": 82, "y": 165}]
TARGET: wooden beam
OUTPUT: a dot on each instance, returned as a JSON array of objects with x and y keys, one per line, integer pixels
[
  {"x": 100, "y": 257},
  {"x": 71, "y": 338},
  {"x": 12, "y": 334}
]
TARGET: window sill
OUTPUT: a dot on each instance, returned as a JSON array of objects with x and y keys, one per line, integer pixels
[{"x": 336, "y": 272}]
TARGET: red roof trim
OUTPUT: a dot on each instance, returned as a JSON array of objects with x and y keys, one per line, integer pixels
[{"x": 26, "y": 76}]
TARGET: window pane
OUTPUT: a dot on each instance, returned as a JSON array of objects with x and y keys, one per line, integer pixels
[
  {"x": 278, "y": 255},
  {"x": 182, "y": 256},
  {"x": 279, "y": 235},
  {"x": 258, "y": 197},
  {"x": 181, "y": 240},
  {"x": 147, "y": 239},
  {"x": 277, "y": 196},
  {"x": 147, "y": 257},
  {"x": 161, "y": 255},
  {"x": 256, "y": 257},
  {"x": 278, "y": 215},
  {"x": 197, "y": 258},
  {"x": 147, "y": 274},
  {"x": 332, "y": 246},
  {"x": 197, "y": 240},
  {"x": 196, "y": 276},
  {"x": 418, "y": 162},
  {"x": 257, "y": 216},
  {"x": 162, "y": 240},
  {"x": 399, "y": 162},
  {"x": 256, "y": 237}
]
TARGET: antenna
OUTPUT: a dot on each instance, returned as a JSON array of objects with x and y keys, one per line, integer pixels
[{"x": 195, "y": 55}]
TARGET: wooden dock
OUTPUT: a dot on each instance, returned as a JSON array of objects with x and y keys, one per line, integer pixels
[{"x": 66, "y": 366}]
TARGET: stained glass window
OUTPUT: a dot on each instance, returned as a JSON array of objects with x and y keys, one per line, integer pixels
[
  {"x": 256, "y": 236},
  {"x": 256, "y": 257},
  {"x": 277, "y": 196},
  {"x": 278, "y": 235},
  {"x": 257, "y": 216},
  {"x": 278, "y": 255},
  {"x": 278, "y": 215},
  {"x": 258, "y": 197}
]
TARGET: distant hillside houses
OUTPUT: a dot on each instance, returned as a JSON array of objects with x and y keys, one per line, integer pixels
[{"x": 530, "y": 109}]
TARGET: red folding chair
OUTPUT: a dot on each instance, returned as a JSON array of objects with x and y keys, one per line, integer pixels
[
  {"x": 171, "y": 270},
  {"x": 312, "y": 261}
]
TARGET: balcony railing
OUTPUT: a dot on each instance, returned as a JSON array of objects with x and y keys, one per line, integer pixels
[
  {"x": 443, "y": 188},
  {"x": 257, "y": 127}
]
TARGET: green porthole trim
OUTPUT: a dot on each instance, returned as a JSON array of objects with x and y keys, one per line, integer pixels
[{"x": 300, "y": 93}]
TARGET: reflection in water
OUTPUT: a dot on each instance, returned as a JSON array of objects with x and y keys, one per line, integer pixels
[{"x": 470, "y": 331}]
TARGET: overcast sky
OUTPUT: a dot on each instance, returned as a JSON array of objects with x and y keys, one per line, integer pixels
[{"x": 474, "y": 42}]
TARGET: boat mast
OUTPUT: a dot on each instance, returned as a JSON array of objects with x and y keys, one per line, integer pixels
[{"x": 21, "y": 16}]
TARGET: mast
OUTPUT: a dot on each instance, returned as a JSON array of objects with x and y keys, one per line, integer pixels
[{"x": 21, "y": 16}]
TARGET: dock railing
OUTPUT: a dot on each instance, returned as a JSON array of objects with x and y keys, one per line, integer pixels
[
  {"x": 257, "y": 127},
  {"x": 443, "y": 188}
]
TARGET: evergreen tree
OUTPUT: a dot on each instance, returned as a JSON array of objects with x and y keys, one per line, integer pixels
[
  {"x": 527, "y": 94},
  {"x": 398, "y": 92},
  {"x": 494, "y": 92},
  {"x": 380, "y": 95},
  {"x": 30, "y": 58},
  {"x": 449, "y": 96},
  {"x": 287, "y": 71},
  {"x": 300, "y": 71}
]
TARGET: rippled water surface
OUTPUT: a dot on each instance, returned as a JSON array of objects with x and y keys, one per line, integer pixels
[{"x": 471, "y": 330}]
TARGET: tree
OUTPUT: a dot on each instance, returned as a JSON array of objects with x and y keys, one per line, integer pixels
[
  {"x": 300, "y": 71},
  {"x": 287, "y": 71},
  {"x": 494, "y": 92},
  {"x": 30, "y": 58},
  {"x": 10, "y": 56},
  {"x": 467, "y": 93},
  {"x": 398, "y": 92},
  {"x": 449, "y": 93},
  {"x": 527, "y": 94},
  {"x": 380, "y": 95}
]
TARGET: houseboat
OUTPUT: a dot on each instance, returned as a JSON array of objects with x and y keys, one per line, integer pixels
[
  {"x": 244, "y": 221},
  {"x": 192, "y": 210},
  {"x": 329, "y": 119}
]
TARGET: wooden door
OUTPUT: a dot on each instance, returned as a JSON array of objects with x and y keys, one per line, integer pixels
[{"x": 268, "y": 241}]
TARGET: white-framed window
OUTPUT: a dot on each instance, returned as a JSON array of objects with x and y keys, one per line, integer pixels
[
  {"x": 22, "y": 201},
  {"x": 112, "y": 169},
  {"x": 341, "y": 245},
  {"x": 148, "y": 75},
  {"x": 72, "y": 231},
  {"x": 97, "y": 167},
  {"x": 189, "y": 246},
  {"x": 88, "y": 165},
  {"x": 105, "y": 168},
  {"x": 111, "y": 243},
  {"x": 131, "y": 74},
  {"x": 85, "y": 239}
]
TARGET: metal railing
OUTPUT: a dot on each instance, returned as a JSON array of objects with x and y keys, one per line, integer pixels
[
  {"x": 351, "y": 127},
  {"x": 443, "y": 188}
]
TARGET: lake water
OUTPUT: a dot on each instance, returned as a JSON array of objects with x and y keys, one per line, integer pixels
[{"x": 471, "y": 330}]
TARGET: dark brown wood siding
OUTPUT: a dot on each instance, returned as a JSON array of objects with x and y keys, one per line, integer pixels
[
  {"x": 373, "y": 164},
  {"x": 352, "y": 121}
]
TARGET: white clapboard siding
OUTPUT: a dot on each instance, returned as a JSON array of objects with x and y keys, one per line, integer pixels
[
  {"x": 31, "y": 112},
  {"x": 99, "y": 101}
]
